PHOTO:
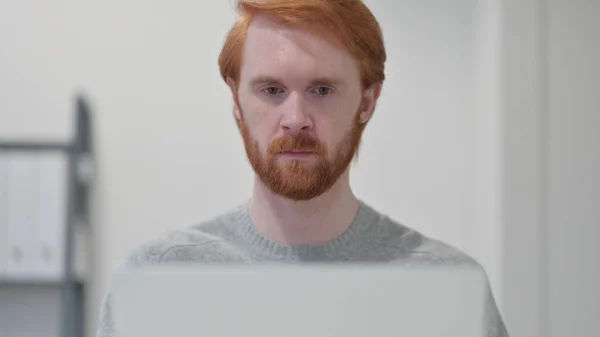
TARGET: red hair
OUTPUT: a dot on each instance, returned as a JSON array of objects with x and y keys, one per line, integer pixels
[{"x": 350, "y": 22}]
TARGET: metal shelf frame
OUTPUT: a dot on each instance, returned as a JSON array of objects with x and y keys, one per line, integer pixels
[{"x": 79, "y": 152}]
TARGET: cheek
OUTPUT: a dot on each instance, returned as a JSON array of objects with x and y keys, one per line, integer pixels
[
  {"x": 335, "y": 127},
  {"x": 329, "y": 135},
  {"x": 255, "y": 118},
  {"x": 262, "y": 128}
]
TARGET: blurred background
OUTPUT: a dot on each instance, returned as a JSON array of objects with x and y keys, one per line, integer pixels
[{"x": 487, "y": 137}]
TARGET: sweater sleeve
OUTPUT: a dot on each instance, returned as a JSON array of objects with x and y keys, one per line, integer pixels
[
  {"x": 493, "y": 323},
  {"x": 105, "y": 323},
  {"x": 146, "y": 255}
]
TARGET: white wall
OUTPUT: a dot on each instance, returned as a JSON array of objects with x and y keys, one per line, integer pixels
[
  {"x": 169, "y": 154},
  {"x": 551, "y": 164},
  {"x": 573, "y": 199},
  {"x": 522, "y": 115}
]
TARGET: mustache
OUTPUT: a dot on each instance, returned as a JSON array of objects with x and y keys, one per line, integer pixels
[{"x": 303, "y": 143}]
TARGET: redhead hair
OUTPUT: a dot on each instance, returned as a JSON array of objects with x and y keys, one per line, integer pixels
[{"x": 350, "y": 22}]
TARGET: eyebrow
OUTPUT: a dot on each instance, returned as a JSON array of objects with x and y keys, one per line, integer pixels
[{"x": 333, "y": 81}]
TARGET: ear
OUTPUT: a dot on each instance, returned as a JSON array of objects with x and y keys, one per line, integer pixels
[
  {"x": 370, "y": 97},
  {"x": 233, "y": 87}
]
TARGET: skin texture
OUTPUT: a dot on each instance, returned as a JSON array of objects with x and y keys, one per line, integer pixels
[{"x": 301, "y": 111}]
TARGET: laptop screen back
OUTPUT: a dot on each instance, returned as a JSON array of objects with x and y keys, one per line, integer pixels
[{"x": 298, "y": 301}]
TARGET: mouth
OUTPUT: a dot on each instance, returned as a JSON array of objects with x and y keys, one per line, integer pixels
[{"x": 296, "y": 155}]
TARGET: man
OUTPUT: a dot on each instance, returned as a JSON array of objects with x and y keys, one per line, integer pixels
[{"x": 305, "y": 76}]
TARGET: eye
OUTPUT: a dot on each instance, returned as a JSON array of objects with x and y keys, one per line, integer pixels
[
  {"x": 273, "y": 90},
  {"x": 323, "y": 91}
]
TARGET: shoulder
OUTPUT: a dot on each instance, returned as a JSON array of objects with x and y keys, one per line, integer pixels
[
  {"x": 153, "y": 251},
  {"x": 445, "y": 253},
  {"x": 418, "y": 247}
]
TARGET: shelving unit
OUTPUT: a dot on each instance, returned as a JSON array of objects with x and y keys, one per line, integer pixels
[{"x": 45, "y": 232}]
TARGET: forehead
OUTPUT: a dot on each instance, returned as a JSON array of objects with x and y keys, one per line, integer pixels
[{"x": 274, "y": 49}]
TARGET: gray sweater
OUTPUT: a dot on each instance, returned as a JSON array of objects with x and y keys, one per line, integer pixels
[{"x": 231, "y": 238}]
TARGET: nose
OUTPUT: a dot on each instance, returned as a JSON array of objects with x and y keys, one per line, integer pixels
[{"x": 295, "y": 118}]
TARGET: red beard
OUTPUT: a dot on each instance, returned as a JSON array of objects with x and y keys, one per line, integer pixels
[{"x": 297, "y": 179}]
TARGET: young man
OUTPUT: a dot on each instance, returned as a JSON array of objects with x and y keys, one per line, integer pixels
[{"x": 305, "y": 76}]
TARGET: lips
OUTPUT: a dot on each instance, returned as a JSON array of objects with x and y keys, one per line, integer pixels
[
  {"x": 297, "y": 155},
  {"x": 297, "y": 152}
]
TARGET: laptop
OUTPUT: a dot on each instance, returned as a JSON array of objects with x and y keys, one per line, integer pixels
[{"x": 298, "y": 301}]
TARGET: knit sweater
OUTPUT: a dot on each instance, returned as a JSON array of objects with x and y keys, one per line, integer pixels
[{"x": 231, "y": 238}]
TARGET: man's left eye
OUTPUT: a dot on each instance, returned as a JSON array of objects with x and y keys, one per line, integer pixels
[
  {"x": 272, "y": 90},
  {"x": 323, "y": 91}
]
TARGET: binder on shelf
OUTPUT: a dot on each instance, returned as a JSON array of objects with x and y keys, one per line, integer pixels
[
  {"x": 35, "y": 209},
  {"x": 50, "y": 223},
  {"x": 22, "y": 186},
  {"x": 4, "y": 251}
]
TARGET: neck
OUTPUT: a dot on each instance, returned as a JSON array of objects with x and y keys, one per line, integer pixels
[{"x": 309, "y": 222}]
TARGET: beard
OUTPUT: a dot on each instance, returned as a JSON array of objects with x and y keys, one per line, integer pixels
[{"x": 298, "y": 179}]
